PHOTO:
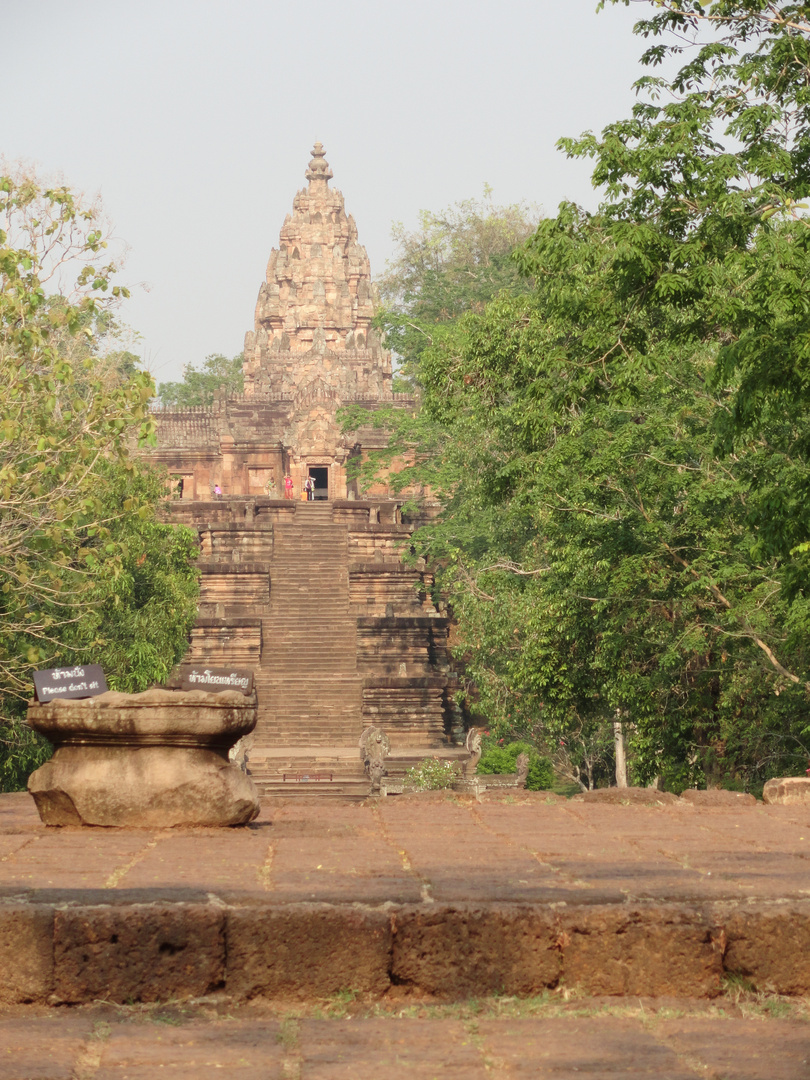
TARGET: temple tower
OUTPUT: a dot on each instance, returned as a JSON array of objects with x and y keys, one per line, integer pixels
[
  {"x": 312, "y": 349},
  {"x": 317, "y": 300}
]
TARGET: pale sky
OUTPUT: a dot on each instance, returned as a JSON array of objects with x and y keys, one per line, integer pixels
[{"x": 194, "y": 120}]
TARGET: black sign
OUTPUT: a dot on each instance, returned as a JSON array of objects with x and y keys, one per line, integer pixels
[
  {"x": 215, "y": 679},
  {"x": 86, "y": 680}
]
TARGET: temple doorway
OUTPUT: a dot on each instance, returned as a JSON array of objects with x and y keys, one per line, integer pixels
[{"x": 320, "y": 478}]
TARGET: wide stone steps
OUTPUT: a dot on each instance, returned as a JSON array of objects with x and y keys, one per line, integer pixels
[
  {"x": 297, "y": 661},
  {"x": 311, "y": 711},
  {"x": 298, "y": 732},
  {"x": 310, "y": 696},
  {"x": 333, "y": 771}
]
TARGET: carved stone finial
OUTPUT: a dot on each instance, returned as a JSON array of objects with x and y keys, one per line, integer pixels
[
  {"x": 473, "y": 745},
  {"x": 374, "y": 749},
  {"x": 522, "y": 769},
  {"x": 318, "y": 168}
]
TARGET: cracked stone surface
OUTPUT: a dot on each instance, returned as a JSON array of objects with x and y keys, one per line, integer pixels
[{"x": 434, "y": 896}]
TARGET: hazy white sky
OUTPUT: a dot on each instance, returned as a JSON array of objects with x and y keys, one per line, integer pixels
[{"x": 194, "y": 119}]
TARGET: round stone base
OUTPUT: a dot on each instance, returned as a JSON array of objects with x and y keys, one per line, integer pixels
[{"x": 146, "y": 787}]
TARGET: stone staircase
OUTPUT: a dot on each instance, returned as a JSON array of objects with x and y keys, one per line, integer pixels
[
  {"x": 309, "y": 691},
  {"x": 313, "y": 599},
  {"x": 292, "y": 772}
]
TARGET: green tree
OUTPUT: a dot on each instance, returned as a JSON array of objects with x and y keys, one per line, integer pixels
[
  {"x": 85, "y": 568},
  {"x": 199, "y": 386},
  {"x": 457, "y": 260},
  {"x": 622, "y": 454}
]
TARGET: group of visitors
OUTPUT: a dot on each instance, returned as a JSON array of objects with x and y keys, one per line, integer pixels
[{"x": 307, "y": 492}]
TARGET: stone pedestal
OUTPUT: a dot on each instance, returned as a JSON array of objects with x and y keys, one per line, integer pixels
[
  {"x": 470, "y": 785},
  {"x": 155, "y": 759}
]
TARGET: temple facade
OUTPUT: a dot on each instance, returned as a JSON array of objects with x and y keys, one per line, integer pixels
[
  {"x": 314, "y": 597},
  {"x": 312, "y": 349}
]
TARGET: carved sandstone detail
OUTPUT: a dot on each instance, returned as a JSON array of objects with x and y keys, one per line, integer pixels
[
  {"x": 374, "y": 748},
  {"x": 473, "y": 744}
]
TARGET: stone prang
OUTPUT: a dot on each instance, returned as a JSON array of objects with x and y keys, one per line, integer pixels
[
  {"x": 317, "y": 299},
  {"x": 312, "y": 350}
]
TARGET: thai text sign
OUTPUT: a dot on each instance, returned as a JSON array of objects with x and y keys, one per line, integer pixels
[
  {"x": 214, "y": 679},
  {"x": 86, "y": 680}
]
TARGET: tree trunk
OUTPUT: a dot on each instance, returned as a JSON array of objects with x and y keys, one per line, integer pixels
[{"x": 621, "y": 756}]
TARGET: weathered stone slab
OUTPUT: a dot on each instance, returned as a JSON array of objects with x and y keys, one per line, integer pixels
[
  {"x": 787, "y": 789},
  {"x": 307, "y": 950},
  {"x": 657, "y": 950},
  {"x": 717, "y": 797},
  {"x": 138, "y": 952},
  {"x": 770, "y": 948},
  {"x": 26, "y": 953},
  {"x": 469, "y": 950}
]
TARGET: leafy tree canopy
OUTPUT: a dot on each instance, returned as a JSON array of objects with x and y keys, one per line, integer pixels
[
  {"x": 199, "y": 386},
  {"x": 455, "y": 261},
  {"x": 622, "y": 449},
  {"x": 87, "y": 573}
]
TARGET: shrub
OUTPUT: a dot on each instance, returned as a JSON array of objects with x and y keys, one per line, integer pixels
[
  {"x": 502, "y": 759},
  {"x": 431, "y": 775}
]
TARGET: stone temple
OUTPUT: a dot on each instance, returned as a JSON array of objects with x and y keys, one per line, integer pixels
[
  {"x": 313, "y": 596},
  {"x": 312, "y": 349}
]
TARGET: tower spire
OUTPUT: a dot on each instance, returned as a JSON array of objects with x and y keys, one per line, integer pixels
[{"x": 318, "y": 172}]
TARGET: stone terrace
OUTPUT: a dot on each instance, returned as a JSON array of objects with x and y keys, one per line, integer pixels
[
  {"x": 434, "y": 895},
  {"x": 340, "y": 634}
]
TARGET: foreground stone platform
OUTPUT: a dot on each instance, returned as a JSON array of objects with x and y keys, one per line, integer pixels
[
  {"x": 488, "y": 1040},
  {"x": 432, "y": 895}
]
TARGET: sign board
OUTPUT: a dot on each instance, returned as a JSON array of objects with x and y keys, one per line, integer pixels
[
  {"x": 215, "y": 679},
  {"x": 82, "y": 681}
]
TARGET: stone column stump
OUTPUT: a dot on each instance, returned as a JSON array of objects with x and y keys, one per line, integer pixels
[{"x": 150, "y": 760}]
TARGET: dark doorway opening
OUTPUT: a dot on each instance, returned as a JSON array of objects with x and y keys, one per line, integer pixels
[{"x": 320, "y": 478}]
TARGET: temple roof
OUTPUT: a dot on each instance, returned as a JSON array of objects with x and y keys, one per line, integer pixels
[{"x": 317, "y": 291}]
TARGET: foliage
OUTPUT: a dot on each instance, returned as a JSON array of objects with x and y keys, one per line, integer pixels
[
  {"x": 143, "y": 601},
  {"x": 503, "y": 759},
  {"x": 86, "y": 572},
  {"x": 622, "y": 453},
  {"x": 431, "y": 775},
  {"x": 21, "y": 751},
  {"x": 455, "y": 261},
  {"x": 199, "y": 386}
]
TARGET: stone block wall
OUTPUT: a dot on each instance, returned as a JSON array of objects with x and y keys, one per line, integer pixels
[
  {"x": 222, "y": 642},
  {"x": 232, "y": 588},
  {"x": 410, "y": 711}
]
